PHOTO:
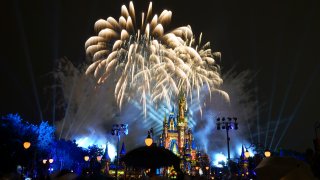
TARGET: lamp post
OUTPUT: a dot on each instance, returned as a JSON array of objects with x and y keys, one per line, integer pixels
[
  {"x": 208, "y": 171},
  {"x": 197, "y": 170},
  {"x": 50, "y": 160},
  {"x": 231, "y": 123},
  {"x": 117, "y": 130},
  {"x": 26, "y": 145},
  {"x": 149, "y": 140},
  {"x": 46, "y": 167},
  {"x": 86, "y": 158},
  {"x": 99, "y": 158},
  {"x": 267, "y": 153},
  {"x": 247, "y": 153}
]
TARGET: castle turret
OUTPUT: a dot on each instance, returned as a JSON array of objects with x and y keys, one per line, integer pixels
[
  {"x": 190, "y": 136},
  {"x": 172, "y": 123},
  {"x": 165, "y": 132},
  {"x": 182, "y": 108},
  {"x": 165, "y": 127},
  {"x": 161, "y": 143},
  {"x": 181, "y": 121},
  {"x": 123, "y": 150},
  {"x": 186, "y": 118},
  {"x": 243, "y": 162}
]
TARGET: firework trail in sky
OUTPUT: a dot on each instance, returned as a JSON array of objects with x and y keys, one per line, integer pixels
[{"x": 149, "y": 62}]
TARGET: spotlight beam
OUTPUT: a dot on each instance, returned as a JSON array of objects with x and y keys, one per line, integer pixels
[
  {"x": 284, "y": 102},
  {"x": 258, "y": 114},
  {"x": 85, "y": 118},
  {"x": 55, "y": 49},
  {"x": 271, "y": 102},
  {"x": 274, "y": 78},
  {"x": 307, "y": 20},
  {"x": 68, "y": 107},
  {"x": 297, "y": 107},
  {"x": 82, "y": 113},
  {"x": 27, "y": 55},
  {"x": 249, "y": 129}
]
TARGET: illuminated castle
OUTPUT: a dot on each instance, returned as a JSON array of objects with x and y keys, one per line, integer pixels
[{"x": 178, "y": 138}]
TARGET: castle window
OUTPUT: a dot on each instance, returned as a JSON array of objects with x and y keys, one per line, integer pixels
[{"x": 171, "y": 125}]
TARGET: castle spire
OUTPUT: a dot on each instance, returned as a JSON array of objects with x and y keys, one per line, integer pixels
[
  {"x": 182, "y": 106},
  {"x": 106, "y": 154},
  {"x": 123, "y": 150},
  {"x": 172, "y": 111},
  {"x": 165, "y": 121},
  {"x": 242, "y": 153}
]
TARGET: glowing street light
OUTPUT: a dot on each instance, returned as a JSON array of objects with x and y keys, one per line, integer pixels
[
  {"x": 267, "y": 153},
  {"x": 149, "y": 139},
  {"x": 99, "y": 158},
  {"x": 26, "y": 145},
  {"x": 197, "y": 170},
  {"x": 227, "y": 125},
  {"x": 86, "y": 158},
  {"x": 50, "y": 160},
  {"x": 207, "y": 171},
  {"x": 44, "y": 161},
  {"x": 247, "y": 154}
]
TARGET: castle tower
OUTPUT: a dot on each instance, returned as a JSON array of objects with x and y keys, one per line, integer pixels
[
  {"x": 182, "y": 108},
  {"x": 243, "y": 162},
  {"x": 165, "y": 127},
  {"x": 178, "y": 137},
  {"x": 165, "y": 132},
  {"x": 172, "y": 123},
  {"x": 181, "y": 122}
]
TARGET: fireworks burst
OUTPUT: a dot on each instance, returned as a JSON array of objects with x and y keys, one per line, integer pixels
[{"x": 149, "y": 62}]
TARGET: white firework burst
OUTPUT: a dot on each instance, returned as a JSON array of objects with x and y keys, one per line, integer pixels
[{"x": 148, "y": 61}]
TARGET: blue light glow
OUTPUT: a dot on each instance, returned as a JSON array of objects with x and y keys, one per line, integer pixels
[
  {"x": 85, "y": 142},
  {"x": 239, "y": 149},
  {"x": 218, "y": 159},
  {"x": 112, "y": 152}
]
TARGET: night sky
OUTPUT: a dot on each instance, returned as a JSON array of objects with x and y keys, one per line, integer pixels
[{"x": 277, "y": 41}]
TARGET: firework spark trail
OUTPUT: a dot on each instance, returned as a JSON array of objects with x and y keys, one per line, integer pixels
[
  {"x": 150, "y": 61},
  {"x": 68, "y": 107},
  {"x": 149, "y": 65}
]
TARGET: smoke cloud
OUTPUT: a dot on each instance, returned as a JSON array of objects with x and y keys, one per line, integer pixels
[{"x": 90, "y": 112}]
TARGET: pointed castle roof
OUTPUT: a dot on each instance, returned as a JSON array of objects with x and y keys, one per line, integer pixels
[
  {"x": 172, "y": 112},
  {"x": 106, "y": 154},
  {"x": 123, "y": 149},
  {"x": 242, "y": 156}
]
